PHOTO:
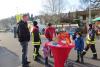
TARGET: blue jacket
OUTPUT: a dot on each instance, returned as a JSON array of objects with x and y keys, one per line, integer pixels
[{"x": 79, "y": 44}]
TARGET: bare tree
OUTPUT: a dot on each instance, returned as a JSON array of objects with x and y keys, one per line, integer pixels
[
  {"x": 95, "y": 4},
  {"x": 54, "y": 6}
]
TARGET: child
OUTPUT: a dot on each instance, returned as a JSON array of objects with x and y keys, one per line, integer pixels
[
  {"x": 79, "y": 46},
  {"x": 46, "y": 52}
]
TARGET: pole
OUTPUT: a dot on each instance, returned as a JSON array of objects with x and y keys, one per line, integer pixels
[{"x": 89, "y": 11}]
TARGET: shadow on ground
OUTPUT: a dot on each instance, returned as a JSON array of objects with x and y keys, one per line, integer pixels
[
  {"x": 93, "y": 59},
  {"x": 41, "y": 61},
  {"x": 8, "y": 58},
  {"x": 71, "y": 63}
]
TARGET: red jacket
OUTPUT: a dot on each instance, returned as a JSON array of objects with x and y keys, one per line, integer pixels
[{"x": 50, "y": 32}]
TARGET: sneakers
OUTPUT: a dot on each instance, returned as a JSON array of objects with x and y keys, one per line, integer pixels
[{"x": 79, "y": 61}]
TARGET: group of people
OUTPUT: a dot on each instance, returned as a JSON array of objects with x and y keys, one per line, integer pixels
[
  {"x": 90, "y": 43},
  {"x": 24, "y": 37}
]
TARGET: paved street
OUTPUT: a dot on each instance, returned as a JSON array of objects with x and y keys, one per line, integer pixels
[{"x": 10, "y": 54}]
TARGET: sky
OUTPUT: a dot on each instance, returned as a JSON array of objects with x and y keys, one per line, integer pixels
[{"x": 10, "y": 8}]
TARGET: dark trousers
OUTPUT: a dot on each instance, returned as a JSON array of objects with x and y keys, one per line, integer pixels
[
  {"x": 24, "y": 52},
  {"x": 50, "y": 50},
  {"x": 46, "y": 60},
  {"x": 36, "y": 51},
  {"x": 93, "y": 49},
  {"x": 79, "y": 56}
]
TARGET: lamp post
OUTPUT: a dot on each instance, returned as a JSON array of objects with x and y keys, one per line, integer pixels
[{"x": 89, "y": 11}]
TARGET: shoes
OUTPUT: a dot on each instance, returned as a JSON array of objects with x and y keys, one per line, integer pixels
[
  {"x": 95, "y": 58},
  {"x": 77, "y": 61},
  {"x": 36, "y": 59},
  {"x": 25, "y": 65},
  {"x": 82, "y": 62},
  {"x": 28, "y": 62}
]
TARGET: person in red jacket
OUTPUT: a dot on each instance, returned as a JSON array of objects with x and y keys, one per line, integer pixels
[{"x": 50, "y": 32}]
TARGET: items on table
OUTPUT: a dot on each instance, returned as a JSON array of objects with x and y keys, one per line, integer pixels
[{"x": 64, "y": 37}]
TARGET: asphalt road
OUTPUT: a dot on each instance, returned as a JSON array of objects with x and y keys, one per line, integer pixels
[{"x": 10, "y": 54}]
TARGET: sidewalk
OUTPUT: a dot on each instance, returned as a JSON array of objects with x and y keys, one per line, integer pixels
[{"x": 10, "y": 54}]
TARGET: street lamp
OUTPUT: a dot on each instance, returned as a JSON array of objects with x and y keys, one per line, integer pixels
[{"x": 89, "y": 11}]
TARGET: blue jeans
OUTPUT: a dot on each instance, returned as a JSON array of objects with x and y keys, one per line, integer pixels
[{"x": 24, "y": 52}]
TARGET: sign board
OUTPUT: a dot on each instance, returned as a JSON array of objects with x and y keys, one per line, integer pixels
[{"x": 18, "y": 18}]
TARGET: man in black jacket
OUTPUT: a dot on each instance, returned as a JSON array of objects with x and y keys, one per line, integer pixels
[{"x": 24, "y": 38}]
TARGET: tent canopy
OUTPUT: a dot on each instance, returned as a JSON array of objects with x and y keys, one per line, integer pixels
[{"x": 96, "y": 19}]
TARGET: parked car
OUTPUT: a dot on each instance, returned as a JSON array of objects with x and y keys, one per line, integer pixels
[{"x": 72, "y": 30}]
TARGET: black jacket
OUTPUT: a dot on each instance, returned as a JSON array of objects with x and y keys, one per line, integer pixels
[{"x": 23, "y": 31}]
